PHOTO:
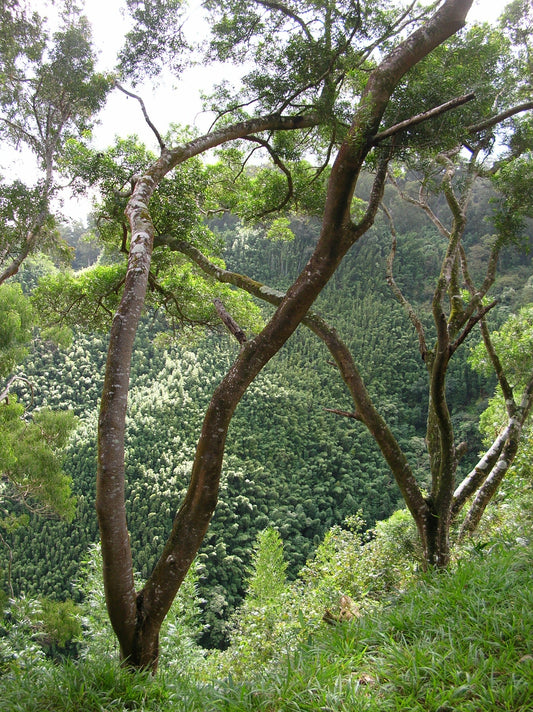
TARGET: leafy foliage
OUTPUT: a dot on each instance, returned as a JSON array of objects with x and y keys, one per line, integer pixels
[
  {"x": 32, "y": 457},
  {"x": 49, "y": 93},
  {"x": 16, "y": 324},
  {"x": 289, "y": 463},
  {"x": 31, "y": 445},
  {"x": 156, "y": 40}
]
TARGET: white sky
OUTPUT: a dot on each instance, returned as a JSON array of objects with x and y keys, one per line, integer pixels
[{"x": 182, "y": 105}]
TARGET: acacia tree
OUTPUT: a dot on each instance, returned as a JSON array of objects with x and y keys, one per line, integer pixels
[{"x": 137, "y": 616}]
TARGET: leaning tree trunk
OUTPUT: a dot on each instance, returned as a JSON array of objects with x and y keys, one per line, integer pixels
[{"x": 137, "y": 618}]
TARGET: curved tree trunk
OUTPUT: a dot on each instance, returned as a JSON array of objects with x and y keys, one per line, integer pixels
[
  {"x": 511, "y": 438},
  {"x": 136, "y": 618}
]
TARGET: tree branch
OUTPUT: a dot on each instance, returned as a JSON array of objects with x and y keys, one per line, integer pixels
[
  {"x": 272, "y": 5},
  {"x": 506, "y": 387},
  {"x": 470, "y": 325},
  {"x": 498, "y": 118},
  {"x": 279, "y": 163},
  {"x": 344, "y": 413},
  {"x": 366, "y": 412},
  {"x": 145, "y": 114},
  {"x": 477, "y": 476},
  {"x": 424, "y": 116},
  {"x": 508, "y": 452},
  {"x": 229, "y": 322},
  {"x": 419, "y": 327},
  {"x": 5, "y": 393}
]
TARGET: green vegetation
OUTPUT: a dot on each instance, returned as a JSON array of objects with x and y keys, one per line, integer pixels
[
  {"x": 459, "y": 639},
  {"x": 216, "y": 395},
  {"x": 289, "y": 463}
]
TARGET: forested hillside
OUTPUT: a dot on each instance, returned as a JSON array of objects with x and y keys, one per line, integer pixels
[
  {"x": 280, "y": 375},
  {"x": 290, "y": 462}
]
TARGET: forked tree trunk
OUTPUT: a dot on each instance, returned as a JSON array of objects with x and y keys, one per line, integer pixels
[{"x": 136, "y": 618}]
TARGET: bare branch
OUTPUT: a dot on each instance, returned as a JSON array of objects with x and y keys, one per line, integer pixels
[
  {"x": 470, "y": 325},
  {"x": 374, "y": 201},
  {"x": 506, "y": 387},
  {"x": 344, "y": 413},
  {"x": 279, "y": 163},
  {"x": 498, "y": 118},
  {"x": 145, "y": 114},
  {"x": 229, "y": 321},
  {"x": 420, "y": 202},
  {"x": 419, "y": 327},
  {"x": 5, "y": 393}
]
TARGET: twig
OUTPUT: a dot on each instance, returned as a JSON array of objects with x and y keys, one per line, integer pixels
[
  {"x": 344, "y": 413},
  {"x": 5, "y": 392}
]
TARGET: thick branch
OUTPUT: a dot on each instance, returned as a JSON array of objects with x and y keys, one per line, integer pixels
[
  {"x": 491, "y": 484},
  {"x": 229, "y": 322},
  {"x": 477, "y": 476}
]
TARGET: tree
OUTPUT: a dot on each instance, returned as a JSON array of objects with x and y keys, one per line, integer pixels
[
  {"x": 458, "y": 303},
  {"x": 31, "y": 444},
  {"x": 137, "y": 616},
  {"x": 49, "y": 91}
]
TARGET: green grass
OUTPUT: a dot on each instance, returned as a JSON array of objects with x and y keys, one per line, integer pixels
[{"x": 460, "y": 641}]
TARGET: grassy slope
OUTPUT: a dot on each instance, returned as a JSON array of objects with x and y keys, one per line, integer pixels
[{"x": 459, "y": 641}]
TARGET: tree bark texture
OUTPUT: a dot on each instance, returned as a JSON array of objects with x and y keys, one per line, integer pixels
[{"x": 136, "y": 618}]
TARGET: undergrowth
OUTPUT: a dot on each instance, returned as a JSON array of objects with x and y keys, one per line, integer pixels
[{"x": 460, "y": 640}]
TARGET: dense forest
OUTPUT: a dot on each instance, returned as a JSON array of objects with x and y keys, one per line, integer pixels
[{"x": 289, "y": 463}]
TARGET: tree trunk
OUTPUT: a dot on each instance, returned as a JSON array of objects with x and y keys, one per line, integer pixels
[
  {"x": 490, "y": 486},
  {"x": 137, "y": 619}
]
